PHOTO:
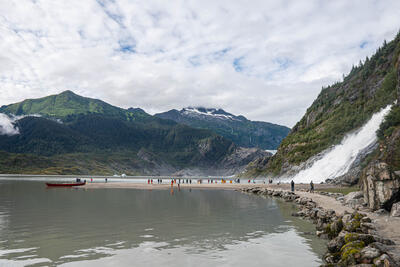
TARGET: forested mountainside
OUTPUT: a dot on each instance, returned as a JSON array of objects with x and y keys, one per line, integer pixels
[
  {"x": 71, "y": 134},
  {"x": 339, "y": 109},
  {"x": 240, "y": 130}
]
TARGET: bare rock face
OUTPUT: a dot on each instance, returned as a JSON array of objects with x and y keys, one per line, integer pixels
[
  {"x": 395, "y": 211},
  {"x": 380, "y": 186},
  {"x": 241, "y": 157},
  {"x": 354, "y": 198}
]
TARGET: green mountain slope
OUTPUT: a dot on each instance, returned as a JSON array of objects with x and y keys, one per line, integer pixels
[
  {"x": 339, "y": 109},
  {"x": 68, "y": 103}
]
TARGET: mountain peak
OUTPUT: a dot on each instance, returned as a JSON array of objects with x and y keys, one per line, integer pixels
[
  {"x": 68, "y": 93},
  {"x": 61, "y": 105},
  {"x": 211, "y": 112}
]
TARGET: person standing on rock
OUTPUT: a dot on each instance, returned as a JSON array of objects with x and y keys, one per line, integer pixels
[
  {"x": 311, "y": 187},
  {"x": 292, "y": 185}
]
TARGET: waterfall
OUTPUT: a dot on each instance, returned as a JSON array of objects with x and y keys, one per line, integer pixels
[{"x": 337, "y": 161}]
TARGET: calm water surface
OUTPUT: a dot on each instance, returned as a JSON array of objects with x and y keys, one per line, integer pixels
[{"x": 128, "y": 227}]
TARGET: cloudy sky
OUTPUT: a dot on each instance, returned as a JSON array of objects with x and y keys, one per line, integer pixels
[{"x": 264, "y": 59}]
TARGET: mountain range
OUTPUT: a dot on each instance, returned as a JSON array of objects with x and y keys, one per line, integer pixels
[
  {"x": 71, "y": 134},
  {"x": 240, "y": 130}
]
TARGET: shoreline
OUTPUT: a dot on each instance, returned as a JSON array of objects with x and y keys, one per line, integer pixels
[
  {"x": 345, "y": 228},
  {"x": 165, "y": 185}
]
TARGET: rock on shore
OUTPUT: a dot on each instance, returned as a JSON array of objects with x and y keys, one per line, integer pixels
[{"x": 353, "y": 238}]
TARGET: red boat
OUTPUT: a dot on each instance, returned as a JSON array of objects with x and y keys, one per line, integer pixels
[{"x": 66, "y": 184}]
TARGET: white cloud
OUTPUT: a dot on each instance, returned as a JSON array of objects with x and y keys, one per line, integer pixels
[
  {"x": 264, "y": 59},
  {"x": 8, "y": 123},
  {"x": 7, "y": 126}
]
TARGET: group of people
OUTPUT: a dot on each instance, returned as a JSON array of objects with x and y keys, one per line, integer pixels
[
  {"x": 189, "y": 181},
  {"x": 311, "y": 186},
  {"x": 179, "y": 180}
]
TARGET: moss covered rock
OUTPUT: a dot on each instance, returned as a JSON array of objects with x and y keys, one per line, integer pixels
[{"x": 350, "y": 253}]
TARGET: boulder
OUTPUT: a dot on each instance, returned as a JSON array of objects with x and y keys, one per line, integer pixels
[
  {"x": 336, "y": 244},
  {"x": 330, "y": 258},
  {"x": 383, "y": 240},
  {"x": 353, "y": 196},
  {"x": 350, "y": 253},
  {"x": 367, "y": 227},
  {"x": 340, "y": 199},
  {"x": 395, "y": 211},
  {"x": 381, "y": 212},
  {"x": 354, "y": 199},
  {"x": 365, "y": 220},
  {"x": 368, "y": 254},
  {"x": 346, "y": 218},
  {"x": 380, "y": 185},
  {"x": 384, "y": 261},
  {"x": 336, "y": 227},
  {"x": 380, "y": 246}
]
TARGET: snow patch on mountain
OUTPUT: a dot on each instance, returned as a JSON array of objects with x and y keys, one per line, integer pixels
[{"x": 212, "y": 112}]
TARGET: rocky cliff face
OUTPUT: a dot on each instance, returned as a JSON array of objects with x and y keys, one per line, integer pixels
[
  {"x": 381, "y": 178},
  {"x": 381, "y": 186}
]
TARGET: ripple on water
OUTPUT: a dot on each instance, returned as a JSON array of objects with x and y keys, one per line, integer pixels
[{"x": 119, "y": 227}]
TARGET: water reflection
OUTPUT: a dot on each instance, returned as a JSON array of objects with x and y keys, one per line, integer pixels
[{"x": 58, "y": 226}]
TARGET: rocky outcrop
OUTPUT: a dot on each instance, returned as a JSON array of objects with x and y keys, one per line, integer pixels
[
  {"x": 380, "y": 186},
  {"x": 238, "y": 160},
  {"x": 395, "y": 211},
  {"x": 353, "y": 240},
  {"x": 155, "y": 165},
  {"x": 354, "y": 199}
]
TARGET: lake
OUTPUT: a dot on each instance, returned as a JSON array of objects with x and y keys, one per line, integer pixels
[{"x": 42, "y": 226}]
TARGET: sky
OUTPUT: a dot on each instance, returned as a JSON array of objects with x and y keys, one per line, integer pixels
[{"x": 266, "y": 60}]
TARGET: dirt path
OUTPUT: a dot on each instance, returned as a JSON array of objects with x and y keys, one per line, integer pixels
[{"x": 326, "y": 202}]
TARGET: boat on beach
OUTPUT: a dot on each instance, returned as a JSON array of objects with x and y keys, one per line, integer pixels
[{"x": 66, "y": 184}]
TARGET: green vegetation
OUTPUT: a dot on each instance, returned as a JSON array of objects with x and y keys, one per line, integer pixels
[
  {"x": 344, "y": 107},
  {"x": 67, "y": 103},
  {"x": 333, "y": 229},
  {"x": 391, "y": 122},
  {"x": 389, "y": 137},
  {"x": 349, "y": 251},
  {"x": 77, "y": 163}
]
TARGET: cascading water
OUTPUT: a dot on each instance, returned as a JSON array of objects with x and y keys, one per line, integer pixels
[{"x": 337, "y": 161}]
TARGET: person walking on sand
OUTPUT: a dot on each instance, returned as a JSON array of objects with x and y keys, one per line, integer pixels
[
  {"x": 292, "y": 185},
  {"x": 311, "y": 187}
]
